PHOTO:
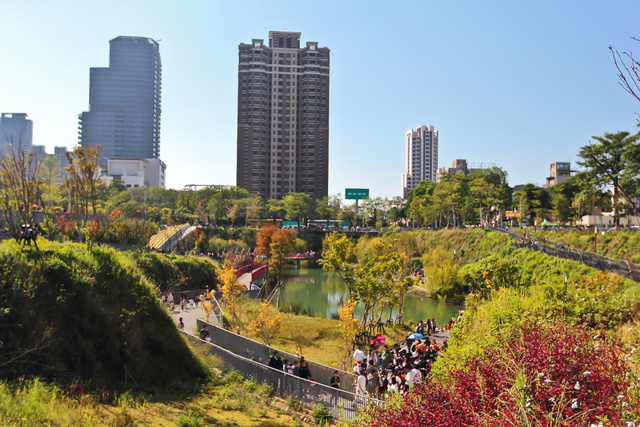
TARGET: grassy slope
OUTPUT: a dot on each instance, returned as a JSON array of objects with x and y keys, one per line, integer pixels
[
  {"x": 230, "y": 402},
  {"x": 617, "y": 244},
  {"x": 96, "y": 314},
  {"x": 99, "y": 313},
  {"x": 319, "y": 339}
]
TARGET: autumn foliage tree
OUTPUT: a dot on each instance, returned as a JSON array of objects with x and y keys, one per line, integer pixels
[
  {"x": 348, "y": 328},
  {"x": 84, "y": 183},
  {"x": 19, "y": 188},
  {"x": 231, "y": 291},
  {"x": 283, "y": 244},
  {"x": 266, "y": 324},
  {"x": 275, "y": 245}
]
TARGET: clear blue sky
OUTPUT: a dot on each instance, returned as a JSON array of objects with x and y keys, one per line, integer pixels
[{"x": 518, "y": 84}]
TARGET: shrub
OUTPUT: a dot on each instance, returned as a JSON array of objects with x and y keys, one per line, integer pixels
[
  {"x": 541, "y": 372},
  {"x": 321, "y": 415},
  {"x": 192, "y": 419}
]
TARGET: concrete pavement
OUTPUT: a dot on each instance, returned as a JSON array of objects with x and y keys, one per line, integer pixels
[{"x": 189, "y": 317}]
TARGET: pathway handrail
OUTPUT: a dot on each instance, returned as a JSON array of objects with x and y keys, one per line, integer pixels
[
  {"x": 591, "y": 259},
  {"x": 244, "y": 346},
  {"x": 342, "y": 404}
]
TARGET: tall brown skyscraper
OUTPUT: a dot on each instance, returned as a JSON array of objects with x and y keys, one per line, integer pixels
[{"x": 283, "y": 117}]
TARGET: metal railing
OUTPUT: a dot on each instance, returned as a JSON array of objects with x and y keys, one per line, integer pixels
[
  {"x": 261, "y": 353},
  {"x": 591, "y": 259},
  {"x": 341, "y": 404}
]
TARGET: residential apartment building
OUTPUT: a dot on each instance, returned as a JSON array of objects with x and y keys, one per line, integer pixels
[
  {"x": 421, "y": 157},
  {"x": 15, "y": 131},
  {"x": 558, "y": 172},
  {"x": 283, "y": 117},
  {"x": 458, "y": 166},
  {"x": 124, "y": 101}
]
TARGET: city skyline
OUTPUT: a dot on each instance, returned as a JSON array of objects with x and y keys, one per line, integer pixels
[{"x": 519, "y": 86}]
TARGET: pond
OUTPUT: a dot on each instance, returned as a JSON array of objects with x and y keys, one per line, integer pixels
[{"x": 320, "y": 294}]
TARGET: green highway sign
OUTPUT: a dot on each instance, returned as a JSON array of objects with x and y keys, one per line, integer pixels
[{"x": 356, "y": 193}]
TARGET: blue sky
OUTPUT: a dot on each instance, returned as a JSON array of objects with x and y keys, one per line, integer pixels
[{"x": 516, "y": 84}]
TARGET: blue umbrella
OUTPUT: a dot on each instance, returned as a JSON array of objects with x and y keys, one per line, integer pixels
[{"x": 416, "y": 336}]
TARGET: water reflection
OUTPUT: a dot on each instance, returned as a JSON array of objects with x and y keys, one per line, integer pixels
[{"x": 321, "y": 293}]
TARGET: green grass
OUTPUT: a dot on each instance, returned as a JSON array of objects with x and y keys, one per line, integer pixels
[{"x": 616, "y": 244}]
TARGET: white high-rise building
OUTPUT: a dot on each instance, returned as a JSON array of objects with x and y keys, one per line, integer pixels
[
  {"x": 15, "y": 131},
  {"x": 421, "y": 158}
]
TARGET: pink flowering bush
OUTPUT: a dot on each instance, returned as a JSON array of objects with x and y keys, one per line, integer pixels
[{"x": 541, "y": 374}]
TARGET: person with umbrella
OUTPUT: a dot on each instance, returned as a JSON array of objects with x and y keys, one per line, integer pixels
[{"x": 410, "y": 338}]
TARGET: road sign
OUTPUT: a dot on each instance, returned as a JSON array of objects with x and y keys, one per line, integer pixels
[{"x": 356, "y": 193}]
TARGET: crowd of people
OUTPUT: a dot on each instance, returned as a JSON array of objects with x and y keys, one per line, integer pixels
[
  {"x": 185, "y": 302},
  {"x": 299, "y": 368},
  {"x": 385, "y": 370}
]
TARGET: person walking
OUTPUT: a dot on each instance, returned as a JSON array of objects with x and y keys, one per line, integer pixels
[
  {"x": 335, "y": 380},
  {"x": 361, "y": 385},
  {"x": 275, "y": 361}
]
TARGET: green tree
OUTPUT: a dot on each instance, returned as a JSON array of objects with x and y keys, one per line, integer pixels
[
  {"x": 531, "y": 202},
  {"x": 347, "y": 214},
  {"x": 562, "y": 197},
  {"x": 425, "y": 188},
  {"x": 327, "y": 208},
  {"x": 372, "y": 207},
  {"x": 339, "y": 256},
  {"x": 217, "y": 206},
  {"x": 298, "y": 206},
  {"x": 383, "y": 278},
  {"x": 613, "y": 162},
  {"x": 273, "y": 210}
]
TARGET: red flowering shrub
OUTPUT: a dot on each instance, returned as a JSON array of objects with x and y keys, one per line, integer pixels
[{"x": 543, "y": 375}]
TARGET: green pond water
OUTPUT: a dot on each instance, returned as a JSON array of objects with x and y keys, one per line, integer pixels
[{"x": 320, "y": 293}]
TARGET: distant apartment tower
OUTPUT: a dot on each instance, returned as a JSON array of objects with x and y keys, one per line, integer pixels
[
  {"x": 15, "y": 131},
  {"x": 558, "y": 172},
  {"x": 283, "y": 117},
  {"x": 421, "y": 157},
  {"x": 459, "y": 166},
  {"x": 60, "y": 156},
  {"x": 124, "y": 101}
]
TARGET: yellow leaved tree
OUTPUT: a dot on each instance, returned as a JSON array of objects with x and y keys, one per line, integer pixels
[
  {"x": 267, "y": 323},
  {"x": 231, "y": 290},
  {"x": 348, "y": 329}
]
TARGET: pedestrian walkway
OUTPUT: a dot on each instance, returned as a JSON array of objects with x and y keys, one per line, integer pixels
[
  {"x": 245, "y": 280},
  {"x": 189, "y": 316}
]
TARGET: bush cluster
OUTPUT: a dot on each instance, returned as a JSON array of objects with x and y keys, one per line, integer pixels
[{"x": 544, "y": 374}]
